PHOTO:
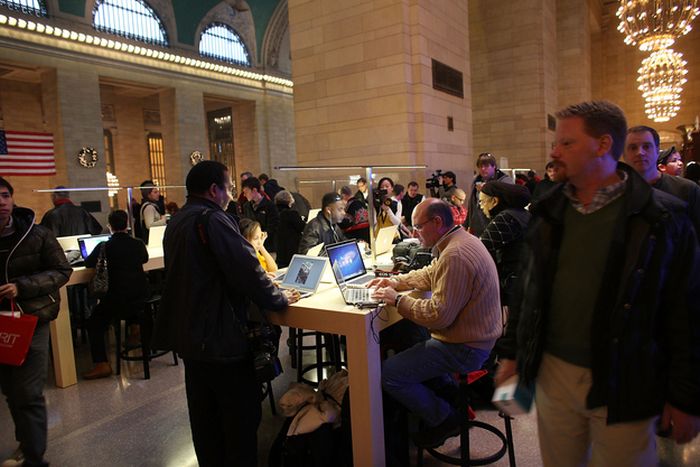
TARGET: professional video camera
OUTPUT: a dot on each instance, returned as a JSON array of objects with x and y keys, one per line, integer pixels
[
  {"x": 434, "y": 183},
  {"x": 381, "y": 197}
]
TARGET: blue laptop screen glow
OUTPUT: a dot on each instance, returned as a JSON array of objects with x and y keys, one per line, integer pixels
[
  {"x": 348, "y": 259},
  {"x": 304, "y": 273},
  {"x": 87, "y": 244}
]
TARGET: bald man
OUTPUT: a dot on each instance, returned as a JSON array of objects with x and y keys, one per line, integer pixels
[{"x": 463, "y": 315}]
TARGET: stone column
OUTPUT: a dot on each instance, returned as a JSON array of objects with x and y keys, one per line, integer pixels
[
  {"x": 184, "y": 130},
  {"x": 514, "y": 79},
  {"x": 363, "y": 90},
  {"x": 71, "y": 101}
]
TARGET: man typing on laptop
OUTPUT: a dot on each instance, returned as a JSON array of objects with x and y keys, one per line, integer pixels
[{"x": 463, "y": 315}]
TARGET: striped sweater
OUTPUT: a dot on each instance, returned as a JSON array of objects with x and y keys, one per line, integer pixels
[{"x": 465, "y": 305}]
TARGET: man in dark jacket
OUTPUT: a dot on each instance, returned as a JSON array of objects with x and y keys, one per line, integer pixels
[
  {"x": 212, "y": 275},
  {"x": 488, "y": 170},
  {"x": 324, "y": 228},
  {"x": 642, "y": 153},
  {"x": 35, "y": 268},
  {"x": 269, "y": 186},
  {"x": 127, "y": 288},
  {"x": 259, "y": 208},
  {"x": 608, "y": 321},
  {"x": 66, "y": 219}
]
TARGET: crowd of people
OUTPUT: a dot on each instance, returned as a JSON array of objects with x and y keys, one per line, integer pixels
[{"x": 583, "y": 284}]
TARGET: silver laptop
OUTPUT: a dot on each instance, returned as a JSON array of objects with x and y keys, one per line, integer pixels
[
  {"x": 361, "y": 296},
  {"x": 384, "y": 240},
  {"x": 349, "y": 259},
  {"x": 304, "y": 274},
  {"x": 315, "y": 250}
]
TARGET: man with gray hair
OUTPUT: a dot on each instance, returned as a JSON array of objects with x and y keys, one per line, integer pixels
[
  {"x": 608, "y": 321},
  {"x": 463, "y": 315},
  {"x": 66, "y": 219}
]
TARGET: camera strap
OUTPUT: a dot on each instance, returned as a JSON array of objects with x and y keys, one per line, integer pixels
[{"x": 202, "y": 232}]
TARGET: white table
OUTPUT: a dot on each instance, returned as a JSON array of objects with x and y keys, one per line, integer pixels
[{"x": 324, "y": 311}]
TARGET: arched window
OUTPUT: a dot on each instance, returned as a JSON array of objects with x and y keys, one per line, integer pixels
[
  {"x": 221, "y": 42},
  {"x": 31, "y": 7},
  {"x": 133, "y": 19}
]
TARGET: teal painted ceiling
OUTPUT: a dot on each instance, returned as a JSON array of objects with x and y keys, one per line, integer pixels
[{"x": 188, "y": 14}]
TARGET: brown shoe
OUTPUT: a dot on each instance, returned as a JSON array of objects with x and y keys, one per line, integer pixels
[{"x": 100, "y": 370}]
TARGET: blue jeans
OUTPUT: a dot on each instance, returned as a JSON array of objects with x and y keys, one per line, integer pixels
[{"x": 403, "y": 375}]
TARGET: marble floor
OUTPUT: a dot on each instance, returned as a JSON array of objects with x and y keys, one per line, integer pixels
[{"x": 127, "y": 421}]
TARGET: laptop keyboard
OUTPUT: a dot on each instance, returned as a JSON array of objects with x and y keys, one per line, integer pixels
[{"x": 358, "y": 295}]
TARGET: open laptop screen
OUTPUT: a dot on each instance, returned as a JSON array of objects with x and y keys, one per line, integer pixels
[
  {"x": 304, "y": 273},
  {"x": 348, "y": 258},
  {"x": 87, "y": 244}
]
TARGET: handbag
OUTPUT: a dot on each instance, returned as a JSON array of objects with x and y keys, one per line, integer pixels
[
  {"x": 16, "y": 333},
  {"x": 262, "y": 341},
  {"x": 99, "y": 284}
]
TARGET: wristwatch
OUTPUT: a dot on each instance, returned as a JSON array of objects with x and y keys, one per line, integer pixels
[{"x": 398, "y": 299}]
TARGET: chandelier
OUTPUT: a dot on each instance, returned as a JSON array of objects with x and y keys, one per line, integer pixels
[
  {"x": 661, "y": 80},
  {"x": 655, "y": 24}
]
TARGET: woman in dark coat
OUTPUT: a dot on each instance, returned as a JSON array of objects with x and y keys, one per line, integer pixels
[
  {"x": 127, "y": 290},
  {"x": 504, "y": 206},
  {"x": 289, "y": 230}
]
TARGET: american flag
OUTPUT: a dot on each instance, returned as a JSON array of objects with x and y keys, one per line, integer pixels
[{"x": 25, "y": 153}]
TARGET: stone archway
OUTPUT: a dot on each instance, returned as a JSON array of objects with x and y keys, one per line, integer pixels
[{"x": 275, "y": 46}]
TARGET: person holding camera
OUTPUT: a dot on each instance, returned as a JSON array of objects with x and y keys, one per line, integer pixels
[
  {"x": 449, "y": 185},
  {"x": 212, "y": 276},
  {"x": 488, "y": 170},
  {"x": 388, "y": 210}
]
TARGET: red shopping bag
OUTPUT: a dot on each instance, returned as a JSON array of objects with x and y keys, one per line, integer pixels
[{"x": 16, "y": 334}]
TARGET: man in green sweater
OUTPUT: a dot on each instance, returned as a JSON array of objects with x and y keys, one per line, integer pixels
[{"x": 608, "y": 321}]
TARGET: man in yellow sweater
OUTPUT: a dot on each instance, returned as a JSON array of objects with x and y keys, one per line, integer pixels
[{"x": 463, "y": 316}]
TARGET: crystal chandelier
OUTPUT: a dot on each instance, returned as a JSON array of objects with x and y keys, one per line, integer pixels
[
  {"x": 661, "y": 80},
  {"x": 655, "y": 24}
]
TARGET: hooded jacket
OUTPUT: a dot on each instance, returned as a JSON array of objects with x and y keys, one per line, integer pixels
[
  {"x": 37, "y": 265},
  {"x": 645, "y": 333}
]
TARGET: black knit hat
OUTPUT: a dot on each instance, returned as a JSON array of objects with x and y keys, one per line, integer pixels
[
  {"x": 330, "y": 198},
  {"x": 664, "y": 155},
  {"x": 509, "y": 194}
]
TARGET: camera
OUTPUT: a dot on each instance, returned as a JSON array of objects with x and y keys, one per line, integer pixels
[
  {"x": 434, "y": 183},
  {"x": 381, "y": 197}
]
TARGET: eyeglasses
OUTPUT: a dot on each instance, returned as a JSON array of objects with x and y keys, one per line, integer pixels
[{"x": 422, "y": 224}]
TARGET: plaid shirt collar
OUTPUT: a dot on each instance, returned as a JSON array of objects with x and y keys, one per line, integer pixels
[{"x": 603, "y": 196}]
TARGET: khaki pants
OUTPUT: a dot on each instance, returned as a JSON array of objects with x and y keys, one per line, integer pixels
[{"x": 572, "y": 435}]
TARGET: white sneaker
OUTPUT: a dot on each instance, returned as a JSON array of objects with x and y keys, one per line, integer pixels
[{"x": 16, "y": 460}]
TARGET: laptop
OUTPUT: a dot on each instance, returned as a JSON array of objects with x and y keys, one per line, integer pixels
[
  {"x": 87, "y": 244},
  {"x": 361, "y": 297},
  {"x": 384, "y": 240},
  {"x": 349, "y": 260},
  {"x": 304, "y": 274},
  {"x": 155, "y": 237},
  {"x": 313, "y": 213},
  {"x": 69, "y": 243},
  {"x": 315, "y": 250}
]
